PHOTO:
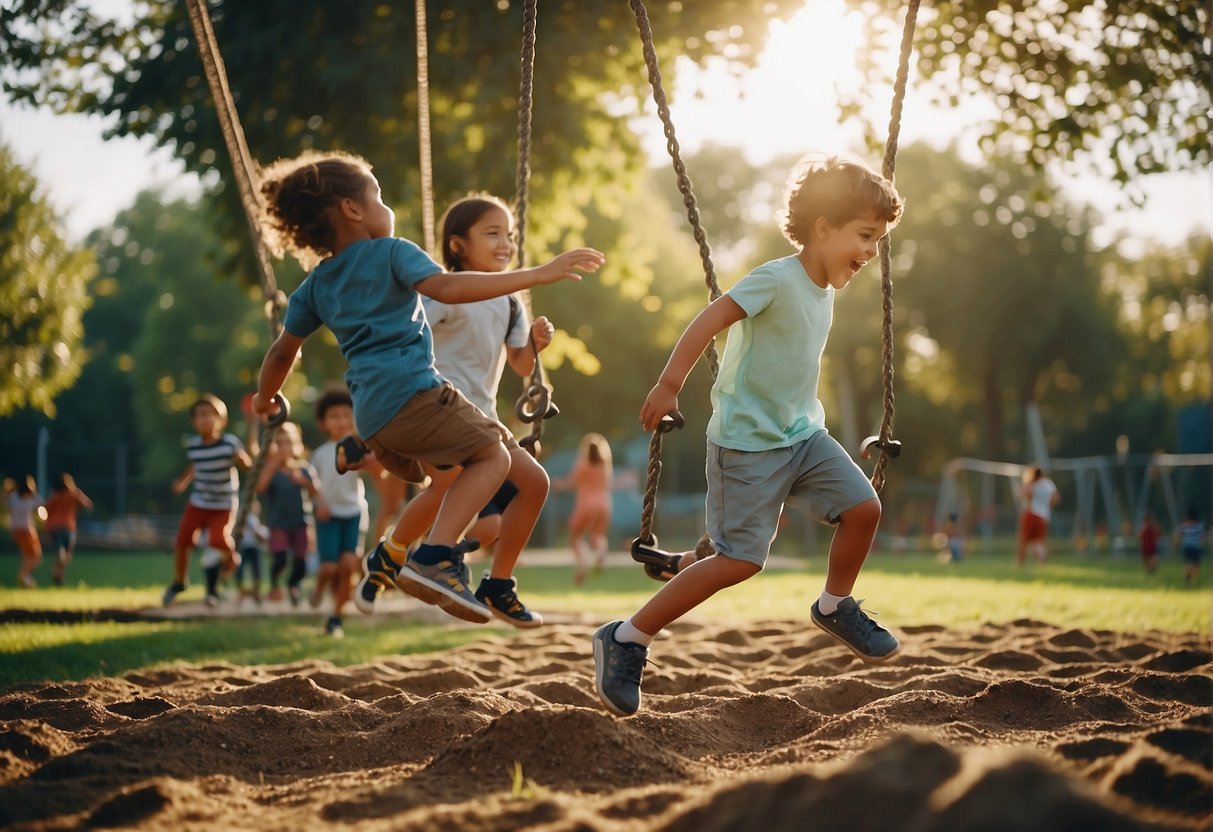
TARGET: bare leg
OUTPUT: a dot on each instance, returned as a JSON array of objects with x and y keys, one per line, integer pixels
[
  {"x": 690, "y": 588},
  {"x": 390, "y": 491},
  {"x": 850, "y": 546},
  {"x": 472, "y": 489},
  {"x": 347, "y": 568},
  {"x": 327, "y": 575},
  {"x": 419, "y": 514},
  {"x": 519, "y": 518}
]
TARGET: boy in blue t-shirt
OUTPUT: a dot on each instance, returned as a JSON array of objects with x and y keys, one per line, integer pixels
[
  {"x": 767, "y": 442},
  {"x": 367, "y": 291}
]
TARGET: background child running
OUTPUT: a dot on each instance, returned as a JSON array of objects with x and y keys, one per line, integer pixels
[
  {"x": 367, "y": 291},
  {"x": 213, "y": 456},
  {"x": 342, "y": 513},
  {"x": 253, "y": 538},
  {"x": 1191, "y": 534},
  {"x": 767, "y": 442},
  {"x": 23, "y": 501},
  {"x": 591, "y": 481},
  {"x": 472, "y": 344},
  {"x": 61, "y": 508},
  {"x": 287, "y": 486},
  {"x": 1148, "y": 540},
  {"x": 1038, "y": 497}
]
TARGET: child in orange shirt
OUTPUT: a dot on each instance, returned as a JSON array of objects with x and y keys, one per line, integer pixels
[{"x": 65, "y": 500}]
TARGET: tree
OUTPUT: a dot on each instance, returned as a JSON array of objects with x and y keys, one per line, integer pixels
[
  {"x": 1123, "y": 83},
  {"x": 43, "y": 294}
]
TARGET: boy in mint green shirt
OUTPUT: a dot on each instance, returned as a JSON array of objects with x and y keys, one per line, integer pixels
[{"x": 767, "y": 442}]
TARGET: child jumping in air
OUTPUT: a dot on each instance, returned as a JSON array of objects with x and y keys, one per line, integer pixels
[
  {"x": 367, "y": 290},
  {"x": 65, "y": 502},
  {"x": 213, "y": 457},
  {"x": 287, "y": 488},
  {"x": 342, "y": 513},
  {"x": 767, "y": 441},
  {"x": 472, "y": 344}
]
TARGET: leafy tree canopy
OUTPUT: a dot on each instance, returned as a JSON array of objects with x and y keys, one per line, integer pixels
[
  {"x": 1126, "y": 83},
  {"x": 43, "y": 295}
]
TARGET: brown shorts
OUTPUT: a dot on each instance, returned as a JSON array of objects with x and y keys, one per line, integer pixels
[{"x": 439, "y": 426}]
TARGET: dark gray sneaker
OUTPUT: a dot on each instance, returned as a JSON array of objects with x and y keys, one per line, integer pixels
[
  {"x": 378, "y": 573},
  {"x": 863, "y": 636},
  {"x": 617, "y": 669},
  {"x": 170, "y": 594},
  {"x": 445, "y": 584},
  {"x": 501, "y": 597}
]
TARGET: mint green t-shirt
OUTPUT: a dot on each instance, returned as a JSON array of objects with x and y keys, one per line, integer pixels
[{"x": 765, "y": 395}]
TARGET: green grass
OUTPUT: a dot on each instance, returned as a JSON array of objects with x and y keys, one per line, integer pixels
[{"x": 905, "y": 589}]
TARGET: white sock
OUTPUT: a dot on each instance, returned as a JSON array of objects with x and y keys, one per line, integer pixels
[
  {"x": 828, "y": 604},
  {"x": 626, "y": 632}
]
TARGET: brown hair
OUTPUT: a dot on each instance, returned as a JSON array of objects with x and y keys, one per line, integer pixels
[
  {"x": 596, "y": 449},
  {"x": 297, "y": 196},
  {"x": 840, "y": 190},
  {"x": 212, "y": 400}
]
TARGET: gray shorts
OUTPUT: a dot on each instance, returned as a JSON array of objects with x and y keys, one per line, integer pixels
[{"x": 747, "y": 491}]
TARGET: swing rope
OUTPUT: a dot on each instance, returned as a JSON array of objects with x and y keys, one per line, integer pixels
[
  {"x": 885, "y": 442},
  {"x": 244, "y": 170},
  {"x": 535, "y": 405},
  {"x": 424, "y": 146},
  {"x": 648, "y": 509}
]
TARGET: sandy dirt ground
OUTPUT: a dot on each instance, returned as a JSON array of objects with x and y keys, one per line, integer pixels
[{"x": 768, "y": 726}]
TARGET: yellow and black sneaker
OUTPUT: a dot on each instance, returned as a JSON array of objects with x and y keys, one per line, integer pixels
[
  {"x": 500, "y": 595},
  {"x": 378, "y": 573},
  {"x": 438, "y": 575}
]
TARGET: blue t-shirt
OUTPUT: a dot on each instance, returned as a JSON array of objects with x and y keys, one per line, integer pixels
[
  {"x": 365, "y": 295},
  {"x": 765, "y": 395}
]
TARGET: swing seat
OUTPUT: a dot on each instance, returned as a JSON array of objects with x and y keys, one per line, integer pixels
[
  {"x": 659, "y": 564},
  {"x": 350, "y": 450},
  {"x": 892, "y": 447}
]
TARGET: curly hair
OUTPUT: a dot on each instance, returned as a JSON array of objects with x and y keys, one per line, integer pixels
[
  {"x": 296, "y": 196},
  {"x": 459, "y": 218},
  {"x": 839, "y": 189},
  {"x": 333, "y": 397}
]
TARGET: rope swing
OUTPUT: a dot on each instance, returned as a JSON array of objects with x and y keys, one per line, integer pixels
[
  {"x": 244, "y": 170},
  {"x": 663, "y": 565},
  {"x": 535, "y": 405}
]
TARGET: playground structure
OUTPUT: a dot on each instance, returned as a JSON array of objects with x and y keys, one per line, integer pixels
[{"x": 1104, "y": 498}]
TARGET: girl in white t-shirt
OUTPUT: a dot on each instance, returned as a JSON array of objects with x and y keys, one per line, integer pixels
[
  {"x": 472, "y": 344},
  {"x": 1038, "y": 497}
]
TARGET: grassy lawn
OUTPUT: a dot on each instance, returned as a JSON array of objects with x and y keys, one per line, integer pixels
[{"x": 904, "y": 589}]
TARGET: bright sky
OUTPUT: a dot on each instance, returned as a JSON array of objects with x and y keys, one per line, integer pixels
[{"x": 785, "y": 105}]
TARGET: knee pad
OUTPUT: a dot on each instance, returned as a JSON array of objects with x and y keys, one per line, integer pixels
[{"x": 211, "y": 557}]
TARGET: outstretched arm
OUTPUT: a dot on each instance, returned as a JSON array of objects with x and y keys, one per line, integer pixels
[
  {"x": 663, "y": 398},
  {"x": 465, "y": 287}
]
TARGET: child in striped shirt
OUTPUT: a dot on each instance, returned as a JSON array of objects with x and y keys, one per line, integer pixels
[{"x": 213, "y": 456}]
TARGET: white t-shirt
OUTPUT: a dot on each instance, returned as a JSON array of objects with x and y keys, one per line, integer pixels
[
  {"x": 1040, "y": 497},
  {"x": 469, "y": 344},
  {"x": 344, "y": 493}
]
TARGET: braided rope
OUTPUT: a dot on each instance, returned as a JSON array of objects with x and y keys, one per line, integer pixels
[
  {"x": 245, "y": 172},
  {"x": 705, "y": 253},
  {"x": 424, "y": 145},
  {"x": 886, "y": 278},
  {"x": 535, "y": 390}
]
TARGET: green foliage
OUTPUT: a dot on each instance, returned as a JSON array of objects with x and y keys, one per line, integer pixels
[
  {"x": 1125, "y": 83},
  {"x": 43, "y": 294}
]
